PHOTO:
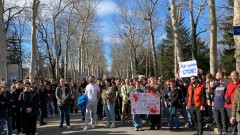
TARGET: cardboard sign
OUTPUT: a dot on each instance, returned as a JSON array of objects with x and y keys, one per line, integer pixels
[
  {"x": 145, "y": 103},
  {"x": 188, "y": 68}
]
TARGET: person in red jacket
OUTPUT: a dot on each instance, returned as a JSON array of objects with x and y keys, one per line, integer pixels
[
  {"x": 196, "y": 100},
  {"x": 229, "y": 96}
]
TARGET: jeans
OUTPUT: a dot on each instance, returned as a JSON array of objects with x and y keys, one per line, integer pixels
[
  {"x": 185, "y": 114},
  {"x": 137, "y": 122},
  {"x": 64, "y": 110},
  {"x": 110, "y": 111},
  {"x": 50, "y": 108},
  {"x": 171, "y": 119},
  {"x": 220, "y": 116},
  {"x": 91, "y": 106},
  {"x": 197, "y": 116},
  {"x": 8, "y": 119},
  {"x": 83, "y": 110}
]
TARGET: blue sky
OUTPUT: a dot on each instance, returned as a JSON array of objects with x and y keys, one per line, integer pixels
[{"x": 106, "y": 10}]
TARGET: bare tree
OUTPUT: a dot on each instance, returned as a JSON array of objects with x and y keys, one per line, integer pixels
[
  {"x": 148, "y": 9},
  {"x": 177, "y": 47},
  {"x": 213, "y": 37},
  {"x": 236, "y": 22},
  {"x": 33, "y": 40},
  {"x": 59, "y": 9},
  {"x": 194, "y": 23}
]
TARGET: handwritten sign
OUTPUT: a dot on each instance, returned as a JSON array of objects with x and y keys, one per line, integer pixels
[
  {"x": 188, "y": 68},
  {"x": 145, "y": 103}
]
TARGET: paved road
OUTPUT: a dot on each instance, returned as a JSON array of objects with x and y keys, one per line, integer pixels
[{"x": 52, "y": 128}]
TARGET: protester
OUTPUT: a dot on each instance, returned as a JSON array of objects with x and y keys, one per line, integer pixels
[
  {"x": 63, "y": 96},
  {"x": 118, "y": 102},
  {"x": 93, "y": 93},
  {"x": 220, "y": 113},
  {"x": 209, "y": 97},
  {"x": 196, "y": 100},
  {"x": 43, "y": 104},
  {"x": 81, "y": 89},
  {"x": 6, "y": 108},
  {"x": 229, "y": 96},
  {"x": 17, "y": 119},
  {"x": 29, "y": 103},
  {"x": 50, "y": 101},
  {"x": 126, "y": 105},
  {"x": 154, "y": 88},
  {"x": 108, "y": 97},
  {"x": 235, "y": 119},
  {"x": 137, "y": 121},
  {"x": 173, "y": 103}
]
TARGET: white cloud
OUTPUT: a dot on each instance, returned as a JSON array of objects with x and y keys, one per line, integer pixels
[{"x": 106, "y": 7}]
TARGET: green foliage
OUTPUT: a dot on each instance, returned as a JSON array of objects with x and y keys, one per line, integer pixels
[
  {"x": 227, "y": 55},
  {"x": 14, "y": 50},
  {"x": 166, "y": 50}
]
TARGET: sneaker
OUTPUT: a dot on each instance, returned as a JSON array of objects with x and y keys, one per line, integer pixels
[
  {"x": 187, "y": 125},
  {"x": 85, "y": 128},
  {"x": 136, "y": 129},
  {"x": 68, "y": 127},
  {"x": 93, "y": 126},
  {"x": 140, "y": 129},
  {"x": 20, "y": 133}
]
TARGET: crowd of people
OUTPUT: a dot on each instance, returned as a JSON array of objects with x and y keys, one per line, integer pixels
[{"x": 198, "y": 99}]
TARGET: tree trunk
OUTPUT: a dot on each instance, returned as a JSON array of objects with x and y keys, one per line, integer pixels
[
  {"x": 33, "y": 40},
  {"x": 213, "y": 37},
  {"x": 194, "y": 32},
  {"x": 236, "y": 22},
  {"x": 154, "y": 56},
  {"x": 177, "y": 46},
  {"x": 57, "y": 49},
  {"x": 66, "y": 61},
  {"x": 3, "y": 44}
]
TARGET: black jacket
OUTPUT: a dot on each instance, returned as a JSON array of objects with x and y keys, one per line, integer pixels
[
  {"x": 43, "y": 98},
  {"x": 6, "y": 103},
  {"x": 173, "y": 96},
  {"x": 29, "y": 100}
]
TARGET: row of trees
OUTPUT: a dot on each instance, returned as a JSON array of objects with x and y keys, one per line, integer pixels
[
  {"x": 65, "y": 39},
  {"x": 153, "y": 37}
]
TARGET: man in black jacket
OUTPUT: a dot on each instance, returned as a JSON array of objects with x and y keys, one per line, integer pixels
[
  {"x": 6, "y": 108},
  {"x": 16, "y": 119},
  {"x": 43, "y": 104},
  {"x": 29, "y": 103}
]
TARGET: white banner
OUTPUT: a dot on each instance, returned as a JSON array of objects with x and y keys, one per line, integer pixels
[
  {"x": 188, "y": 68},
  {"x": 145, "y": 103}
]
